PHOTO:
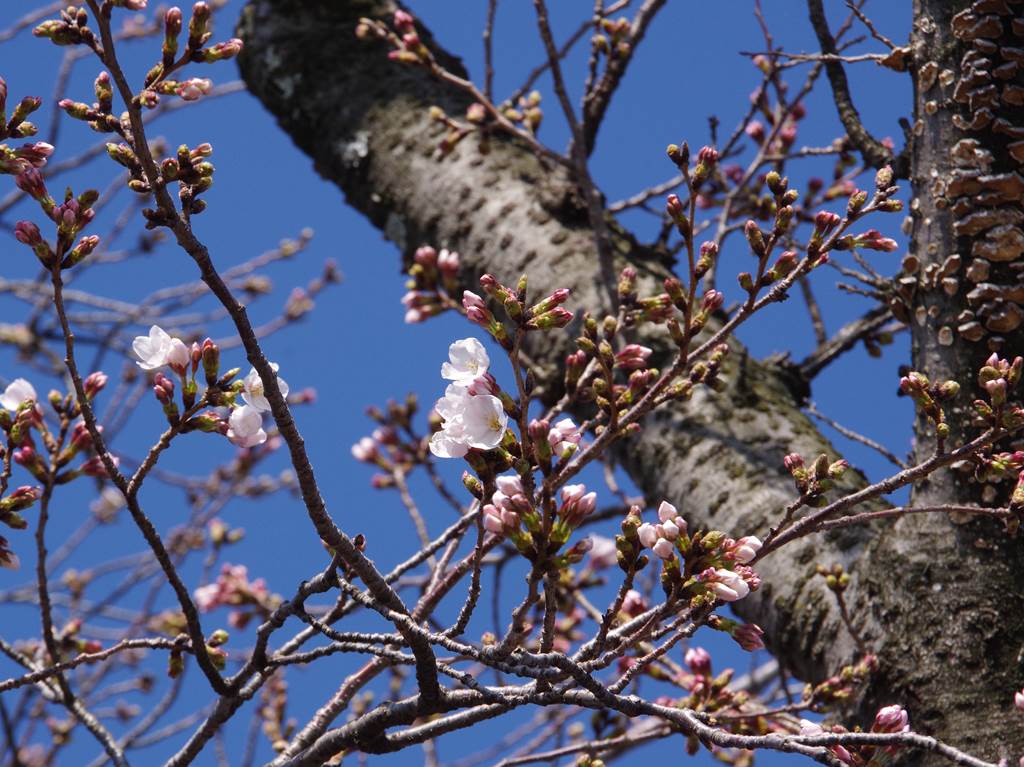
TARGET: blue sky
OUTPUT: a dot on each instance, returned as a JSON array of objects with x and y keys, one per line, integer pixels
[{"x": 356, "y": 350}]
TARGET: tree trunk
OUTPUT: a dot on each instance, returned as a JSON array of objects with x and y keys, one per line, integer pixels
[
  {"x": 363, "y": 119},
  {"x": 960, "y": 582}
]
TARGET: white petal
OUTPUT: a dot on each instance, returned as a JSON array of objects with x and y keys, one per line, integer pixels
[
  {"x": 19, "y": 390},
  {"x": 467, "y": 360},
  {"x": 444, "y": 446},
  {"x": 484, "y": 420}
]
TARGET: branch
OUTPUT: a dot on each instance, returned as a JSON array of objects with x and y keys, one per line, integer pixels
[{"x": 874, "y": 152}]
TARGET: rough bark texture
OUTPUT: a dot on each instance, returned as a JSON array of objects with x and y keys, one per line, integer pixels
[
  {"x": 363, "y": 120},
  {"x": 964, "y": 578}
]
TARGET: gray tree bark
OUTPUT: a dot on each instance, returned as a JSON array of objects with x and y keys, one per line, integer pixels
[{"x": 943, "y": 613}]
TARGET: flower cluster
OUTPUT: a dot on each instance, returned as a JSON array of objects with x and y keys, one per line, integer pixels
[
  {"x": 709, "y": 692},
  {"x": 546, "y": 314},
  {"x": 869, "y": 240},
  {"x": 576, "y": 505},
  {"x": 502, "y": 516},
  {"x": 661, "y": 538},
  {"x": 999, "y": 377},
  {"x": 812, "y": 483},
  {"x": 27, "y": 156},
  {"x": 889, "y": 719},
  {"x": 433, "y": 280},
  {"x": 472, "y": 418},
  {"x": 714, "y": 564},
  {"x": 234, "y": 589},
  {"x": 21, "y": 415},
  {"x": 69, "y": 217},
  {"x": 244, "y": 425}
]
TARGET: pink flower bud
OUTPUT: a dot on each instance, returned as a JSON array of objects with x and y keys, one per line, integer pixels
[
  {"x": 573, "y": 492},
  {"x": 178, "y": 356},
  {"x": 365, "y": 450},
  {"x": 891, "y": 719},
  {"x": 712, "y": 301},
  {"x": 95, "y": 467},
  {"x": 699, "y": 661},
  {"x": 748, "y": 636},
  {"x": 825, "y": 221},
  {"x": 664, "y": 548},
  {"x": 633, "y": 357},
  {"x": 648, "y": 534},
  {"x": 81, "y": 439},
  {"x": 707, "y": 156},
  {"x": 425, "y": 256},
  {"x": 725, "y": 584},
  {"x": 509, "y": 484},
  {"x": 667, "y": 512},
  {"x": 484, "y": 384},
  {"x": 31, "y": 183},
  {"x": 27, "y": 233},
  {"x": 745, "y": 549},
  {"x": 194, "y": 88},
  {"x": 448, "y": 262},
  {"x": 492, "y": 520},
  {"x": 403, "y": 20},
  {"x": 634, "y": 604}
]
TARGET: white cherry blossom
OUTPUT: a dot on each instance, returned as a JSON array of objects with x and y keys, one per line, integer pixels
[
  {"x": 484, "y": 420},
  {"x": 152, "y": 350},
  {"x": 728, "y": 586},
  {"x": 253, "y": 392},
  {"x": 468, "y": 359},
  {"x": 245, "y": 427},
  {"x": 745, "y": 549},
  {"x": 470, "y": 417},
  {"x": 19, "y": 390},
  {"x": 178, "y": 356},
  {"x": 448, "y": 443}
]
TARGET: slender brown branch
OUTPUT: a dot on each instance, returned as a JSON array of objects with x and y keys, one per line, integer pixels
[{"x": 874, "y": 152}]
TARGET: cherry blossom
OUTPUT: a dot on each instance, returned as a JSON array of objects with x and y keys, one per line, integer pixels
[
  {"x": 468, "y": 359},
  {"x": 577, "y": 504},
  {"x": 245, "y": 427},
  {"x": 365, "y": 450},
  {"x": 253, "y": 393},
  {"x": 470, "y": 421},
  {"x": 699, "y": 660},
  {"x": 634, "y": 603},
  {"x": 891, "y": 719},
  {"x": 510, "y": 484},
  {"x": 745, "y": 549},
  {"x": 448, "y": 261},
  {"x": 152, "y": 350},
  {"x": 18, "y": 391},
  {"x": 178, "y": 356},
  {"x": 748, "y": 636},
  {"x": 808, "y": 727},
  {"x": 661, "y": 537},
  {"x": 1018, "y": 699},
  {"x": 564, "y": 435},
  {"x": 194, "y": 88},
  {"x": 725, "y": 584},
  {"x": 500, "y": 520}
]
